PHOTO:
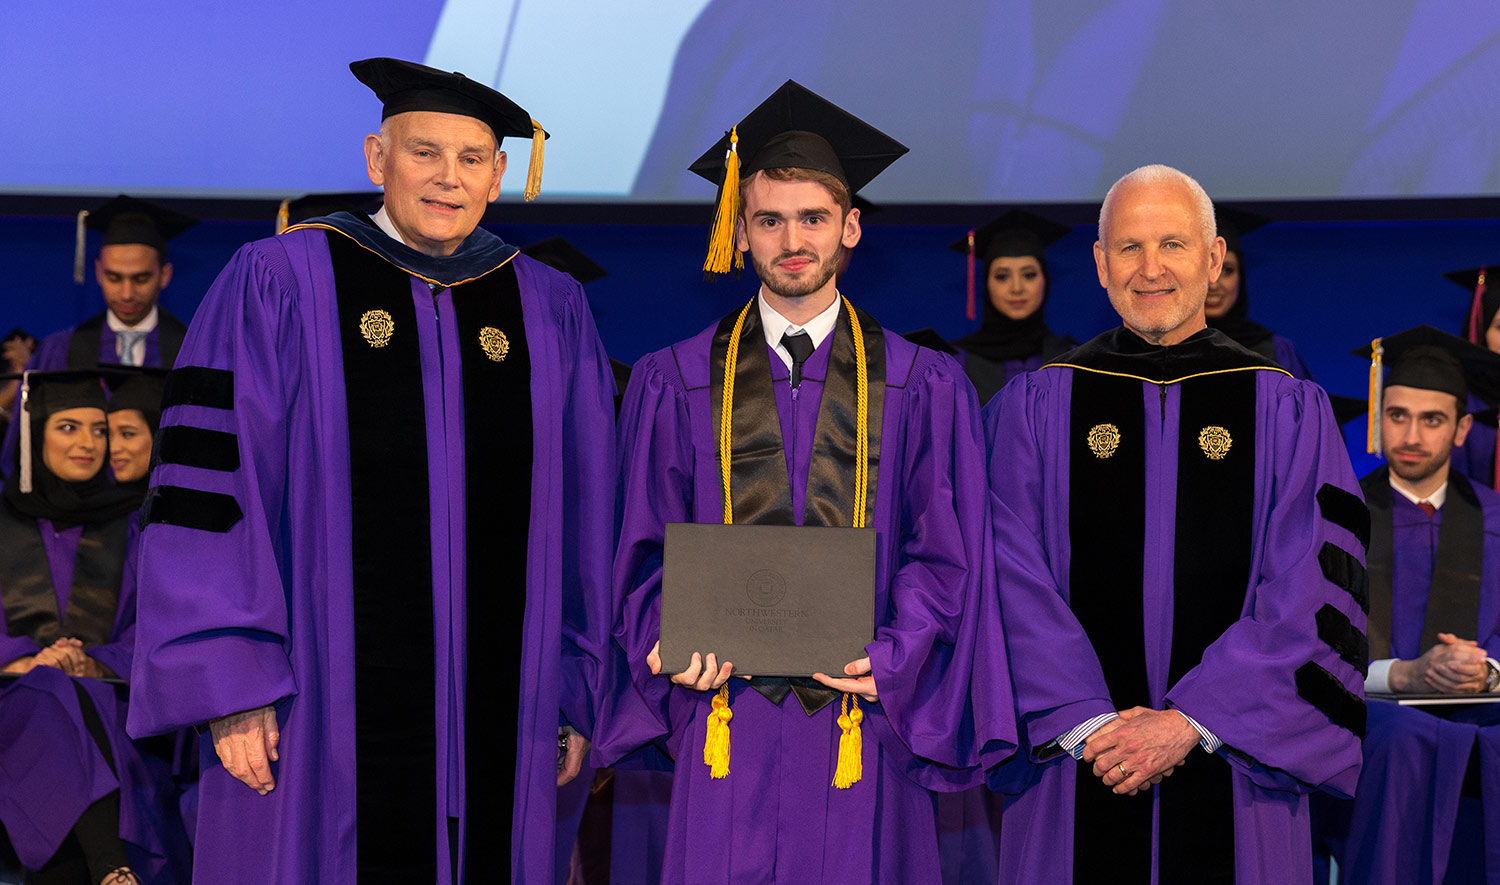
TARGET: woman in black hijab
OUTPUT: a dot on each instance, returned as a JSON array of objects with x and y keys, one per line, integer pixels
[
  {"x": 1476, "y": 457},
  {"x": 1228, "y": 304},
  {"x": 1014, "y": 336},
  {"x": 80, "y": 803}
]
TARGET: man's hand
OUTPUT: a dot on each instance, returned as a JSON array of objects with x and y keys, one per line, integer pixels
[
  {"x": 862, "y": 683},
  {"x": 16, "y": 353},
  {"x": 23, "y": 665},
  {"x": 246, "y": 744},
  {"x": 700, "y": 674},
  {"x": 67, "y": 655},
  {"x": 1453, "y": 666},
  {"x": 571, "y": 762},
  {"x": 1140, "y": 748}
]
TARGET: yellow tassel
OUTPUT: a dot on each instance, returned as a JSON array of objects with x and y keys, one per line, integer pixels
[
  {"x": 721, "y": 237},
  {"x": 849, "y": 769},
  {"x": 283, "y": 216},
  {"x": 534, "y": 170},
  {"x": 80, "y": 243},
  {"x": 716, "y": 744},
  {"x": 1372, "y": 433}
]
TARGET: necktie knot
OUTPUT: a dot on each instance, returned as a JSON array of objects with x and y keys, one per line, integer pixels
[
  {"x": 800, "y": 346},
  {"x": 1427, "y": 508},
  {"x": 128, "y": 340}
]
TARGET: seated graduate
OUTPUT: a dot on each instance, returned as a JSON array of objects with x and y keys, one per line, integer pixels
[
  {"x": 1014, "y": 336},
  {"x": 134, "y": 419},
  {"x": 1434, "y": 625},
  {"x": 1474, "y": 457},
  {"x": 78, "y": 802},
  {"x": 1228, "y": 304}
]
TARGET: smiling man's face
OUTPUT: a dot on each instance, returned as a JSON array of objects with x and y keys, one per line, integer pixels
[{"x": 439, "y": 172}]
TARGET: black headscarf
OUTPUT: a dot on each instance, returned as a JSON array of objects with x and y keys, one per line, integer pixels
[
  {"x": 1236, "y": 323},
  {"x": 1000, "y": 338},
  {"x": 94, "y": 500}
]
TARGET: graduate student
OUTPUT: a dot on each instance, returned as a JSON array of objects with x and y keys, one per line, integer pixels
[
  {"x": 798, "y": 409},
  {"x": 78, "y": 801},
  {"x": 376, "y": 565},
  {"x": 1179, "y": 543},
  {"x": 1434, "y": 629},
  {"x": 1228, "y": 304}
]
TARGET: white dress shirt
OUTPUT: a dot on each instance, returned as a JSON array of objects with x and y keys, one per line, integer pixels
[{"x": 774, "y": 325}]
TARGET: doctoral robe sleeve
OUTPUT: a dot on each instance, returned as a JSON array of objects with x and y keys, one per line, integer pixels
[
  {"x": 1059, "y": 683},
  {"x": 116, "y": 654},
  {"x": 946, "y": 703},
  {"x": 655, "y": 454},
  {"x": 589, "y": 655},
  {"x": 212, "y": 634},
  {"x": 1283, "y": 687}
]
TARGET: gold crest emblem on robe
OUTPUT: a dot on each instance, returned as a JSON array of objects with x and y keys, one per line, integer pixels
[
  {"x": 494, "y": 343},
  {"x": 377, "y": 327},
  {"x": 1103, "y": 440},
  {"x": 1215, "y": 442}
]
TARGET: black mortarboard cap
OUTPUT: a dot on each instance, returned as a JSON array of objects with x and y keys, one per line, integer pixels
[
  {"x": 318, "y": 205},
  {"x": 126, "y": 220},
  {"x": 1011, "y": 234},
  {"x": 930, "y": 339},
  {"x": 796, "y": 127},
  {"x": 558, "y": 253},
  {"x": 404, "y": 86},
  {"x": 1234, "y": 222}
]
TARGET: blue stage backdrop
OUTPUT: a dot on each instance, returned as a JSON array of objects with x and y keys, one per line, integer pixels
[{"x": 1330, "y": 287}]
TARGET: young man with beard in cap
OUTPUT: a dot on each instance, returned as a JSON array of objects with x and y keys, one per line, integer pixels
[
  {"x": 799, "y": 411},
  {"x": 1434, "y": 627},
  {"x": 375, "y": 553},
  {"x": 1178, "y": 538}
]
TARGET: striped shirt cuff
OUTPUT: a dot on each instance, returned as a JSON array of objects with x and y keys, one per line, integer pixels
[
  {"x": 1210, "y": 742},
  {"x": 1073, "y": 741}
]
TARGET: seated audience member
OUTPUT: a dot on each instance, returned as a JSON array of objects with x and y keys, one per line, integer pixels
[
  {"x": 78, "y": 802},
  {"x": 1434, "y": 627},
  {"x": 1475, "y": 457},
  {"x": 1228, "y": 305},
  {"x": 1014, "y": 337}
]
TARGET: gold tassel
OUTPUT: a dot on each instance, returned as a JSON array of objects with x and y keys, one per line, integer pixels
[
  {"x": 721, "y": 236},
  {"x": 283, "y": 216},
  {"x": 80, "y": 243},
  {"x": 850, "y": 768},
  {"x": 1372, "y": 433},
  {"x": 534, "y": 169},
  {"x": 716, "y": 744}
]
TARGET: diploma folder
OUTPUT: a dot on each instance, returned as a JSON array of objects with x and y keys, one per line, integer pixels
[{"x": 774, "y": 600}]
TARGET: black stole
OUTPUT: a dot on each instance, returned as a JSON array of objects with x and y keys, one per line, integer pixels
[
  {"x": 1211, "y": 571},
  {"x": 29, "y": 596},
  {"x": 83, "y": 347},
  {"x": 1453, "y": 595},
  {"x": 759, "y": 485},
  {"x": 395, "y": 706}
]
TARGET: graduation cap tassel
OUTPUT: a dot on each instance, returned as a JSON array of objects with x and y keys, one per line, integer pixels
[
  {"x": 283, "y": 216},
  {"x": 25, "y": 418},
  {"x": 716, "y": 744},
  {"x": 1372, "y": 435},
  {"x": 1476, "y": 310},
  {"x": 721, "y": 236},
  {"x": 850, "y": 768},
  {"x": 969, "y": 309},
  {"x": 79, "y": 243},
  {"x": 534, "y": 169}
]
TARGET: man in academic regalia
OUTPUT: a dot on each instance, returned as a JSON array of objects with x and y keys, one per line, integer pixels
[
  {"x": 809, "y": 780},
  {"x": 1434, "y": 629},
  {"x": 376, "y": 546},
  {"x": 1179, "y": 543}
]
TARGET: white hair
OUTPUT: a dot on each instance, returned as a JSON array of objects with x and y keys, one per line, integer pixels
[{"x": 1160, "y": 174}]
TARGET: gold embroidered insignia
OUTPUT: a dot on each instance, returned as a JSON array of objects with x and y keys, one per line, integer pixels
[
  {"x": 377, "y": 326},
  {"x": 1215, "y": 441},
  {"x": 494, "y": 342},
  {"x": 1104, "y": 439}
]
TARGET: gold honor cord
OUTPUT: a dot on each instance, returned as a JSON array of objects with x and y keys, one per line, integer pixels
[{"x": 848, "y": 769}]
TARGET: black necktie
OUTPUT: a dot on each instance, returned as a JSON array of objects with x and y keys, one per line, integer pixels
[{"x": 800, "y": 346}]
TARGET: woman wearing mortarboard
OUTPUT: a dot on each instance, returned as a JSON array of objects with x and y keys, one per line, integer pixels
[
  {"x": 78, "y": 801},
  {"x": 1476, "y": 457},
  {"x": 1014, "y": 337},
  {"x": 1228, "y": 304}
]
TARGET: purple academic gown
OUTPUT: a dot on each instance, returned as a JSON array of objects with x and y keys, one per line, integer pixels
[
  {"x": 776, "y": 816},
  {"x": 51, "y": 769},
  {"x": 1400, "y": 827},
  {"x": 1283, "y": 746},
  {"x": 261, "y": 612}
]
